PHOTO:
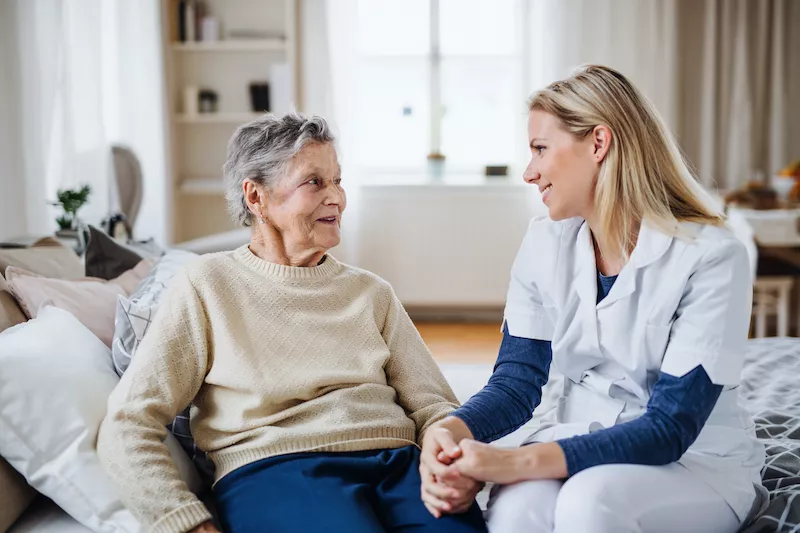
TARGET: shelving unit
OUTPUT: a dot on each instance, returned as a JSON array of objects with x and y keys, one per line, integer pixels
[
  {"x": 231, "y": 46},
  {"x": 197, "y": 142},
  {"x": 216, "y": 118}
]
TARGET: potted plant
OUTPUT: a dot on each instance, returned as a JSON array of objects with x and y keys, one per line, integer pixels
[{"x": 71, "y": 200}]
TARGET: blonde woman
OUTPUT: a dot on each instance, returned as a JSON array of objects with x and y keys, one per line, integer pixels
[{"x": 637, "y": 292}]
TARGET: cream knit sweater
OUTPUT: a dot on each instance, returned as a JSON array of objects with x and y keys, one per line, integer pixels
[{"x": 276, "y": 360}]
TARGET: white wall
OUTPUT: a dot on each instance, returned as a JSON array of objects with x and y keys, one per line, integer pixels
[
  {"x": 441, "y": 245},
  {"x": 13, "y": 218}
]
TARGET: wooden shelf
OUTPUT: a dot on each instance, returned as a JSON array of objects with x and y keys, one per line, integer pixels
[
  {"x": 217, "y": 118},
  {"x": 243, "y": 45},
  {"x": 194, "y": 150},
  {"x": 203, "y": 187}
]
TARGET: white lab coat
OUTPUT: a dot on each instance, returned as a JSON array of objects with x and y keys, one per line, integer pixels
[{"x": 678, "y": 303}]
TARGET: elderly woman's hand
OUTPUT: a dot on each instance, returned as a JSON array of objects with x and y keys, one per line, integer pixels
[{"x": 444, "y": 489}]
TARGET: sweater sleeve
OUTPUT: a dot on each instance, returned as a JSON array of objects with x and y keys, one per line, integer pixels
[
  {"x": 421, "y": 388},
  {"x": 676, "y": 413},
  {"x": 164, "y": 377}
]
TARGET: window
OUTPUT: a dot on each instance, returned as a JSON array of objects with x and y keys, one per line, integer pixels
[{"x": 440, "y": 78}]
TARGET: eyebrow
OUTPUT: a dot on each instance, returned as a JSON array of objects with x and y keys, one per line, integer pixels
[
  {"x": 536, "y": 139},
  {"x": 317, "y": 170}
]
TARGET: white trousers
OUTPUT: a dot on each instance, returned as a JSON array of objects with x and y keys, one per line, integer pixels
[{"x": 612, "y": 499}]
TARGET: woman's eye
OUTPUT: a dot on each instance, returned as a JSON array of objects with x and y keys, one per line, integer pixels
[
  {"x": 539, "y": 148},
  {"x": 313, "y": 181},
  {"x": 338, "y": 181}
]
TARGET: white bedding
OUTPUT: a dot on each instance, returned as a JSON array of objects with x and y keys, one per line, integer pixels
[{"x": 46, "y": 517}]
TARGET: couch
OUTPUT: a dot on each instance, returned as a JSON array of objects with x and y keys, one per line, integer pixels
[
  {"x": 16, "y": 497},
  {"x": 22, "y": 509},
  {"x": 768, "y": 391}
]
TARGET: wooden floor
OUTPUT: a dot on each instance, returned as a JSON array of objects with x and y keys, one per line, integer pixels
[{"x": 462, "y": 342}]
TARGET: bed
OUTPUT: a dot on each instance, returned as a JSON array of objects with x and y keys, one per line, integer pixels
[{"x": 770, "y": 391}]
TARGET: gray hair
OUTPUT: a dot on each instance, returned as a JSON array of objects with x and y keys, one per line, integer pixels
[{"x": 260, "y": 151}]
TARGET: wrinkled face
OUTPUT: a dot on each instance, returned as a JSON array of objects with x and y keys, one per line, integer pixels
[
  {"x": 563, "y": 167},
  {"x": 305, "y": 206}
]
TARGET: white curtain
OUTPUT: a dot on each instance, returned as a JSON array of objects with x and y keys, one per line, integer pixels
[
  {"x": 13, "y": 219},
  {"x": 63, "y": 133},
  {"x": 89, "y": 75},
  {"x": 329, "y": 68},
  {"x": 722, "y": 72}
]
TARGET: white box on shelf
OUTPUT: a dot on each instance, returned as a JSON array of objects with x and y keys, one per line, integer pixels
[
  {"x": 280, "y": 86},
  {"x": 209, "y": 30}
]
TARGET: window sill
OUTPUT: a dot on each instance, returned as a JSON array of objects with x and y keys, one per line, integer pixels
[{"x": 379, "y": 179}]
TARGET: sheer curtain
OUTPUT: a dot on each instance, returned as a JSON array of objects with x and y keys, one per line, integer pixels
[
  {"x": 63, "y": 134},
  {"x": 86, "y": 74},
  {"x": 328, "y": 71},
  {"x": 720, "y": 71}
]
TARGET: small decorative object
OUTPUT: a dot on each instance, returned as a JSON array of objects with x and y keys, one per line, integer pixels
[
  {"x": 436, "y": 169},
  {"x": 189, "y": 20},
  {"x": 497, "y": 170},
  {"x": 791, "y": 170},
  {"x": 259, "y": 96},
  {"x": 280, "y": 81},
  {"x": 755, "y": 195},
  {"x": 71, "y": 200},
  {"x": 118, "y": 227},
  {"x": 191, "y": 100},
  {"x": 208, "y": 101},
  {"x": 182, "y": 21},
  {"x": 209, "y": 29},
  {"x": 787, "y": 181}
]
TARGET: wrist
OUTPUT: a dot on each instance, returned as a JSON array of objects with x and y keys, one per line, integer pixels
[
  {"x": 529, "y": 462},
  {"x": 457, "y": 427}
]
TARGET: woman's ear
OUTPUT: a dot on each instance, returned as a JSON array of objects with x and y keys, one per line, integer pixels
[
  {"x": 254, "y": 196},
  {"x": 601, "y": 142}
]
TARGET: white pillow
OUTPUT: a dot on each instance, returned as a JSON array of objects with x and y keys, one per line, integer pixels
[{"x": 55, "y": 379}]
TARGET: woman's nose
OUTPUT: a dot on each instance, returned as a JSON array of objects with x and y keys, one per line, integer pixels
[
  {"x": 335, "y": 195},
  {"x": 531, "y": 175}
]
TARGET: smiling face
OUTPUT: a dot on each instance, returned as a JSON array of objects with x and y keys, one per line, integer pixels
[
  {"x": 305, "y": 205},
  {"x": 563, "y": 167}
]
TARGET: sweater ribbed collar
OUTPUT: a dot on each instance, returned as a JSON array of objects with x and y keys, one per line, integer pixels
[{"x": 328, "y": 267}]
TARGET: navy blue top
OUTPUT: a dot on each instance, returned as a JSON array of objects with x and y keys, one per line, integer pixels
[{"x": 677, "y": 410}]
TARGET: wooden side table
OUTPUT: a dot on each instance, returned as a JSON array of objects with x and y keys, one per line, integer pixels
[{"x": 777, "y": 235}]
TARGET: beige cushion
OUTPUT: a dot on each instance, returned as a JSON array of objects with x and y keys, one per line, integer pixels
[
  {"x": 15, "y": 495},
  {"x": 93, "y": 301},
  {"x": 47, "y": 257},
  {"x": 10, "y": 313}
]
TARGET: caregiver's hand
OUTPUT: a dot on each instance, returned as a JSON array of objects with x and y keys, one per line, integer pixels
[
  {"x": 205, "y": 527},
  {"x": 505, "y": 466},
  {"x": 444, "y": 489}
]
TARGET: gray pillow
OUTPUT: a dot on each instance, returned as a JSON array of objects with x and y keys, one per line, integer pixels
[
  {"x": 133, "y": 318},
  {"x": 108, "y": 258},
  {"x": 134, "y": 314}
]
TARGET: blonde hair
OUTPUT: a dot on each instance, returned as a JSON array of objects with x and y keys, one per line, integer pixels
[{"x": 643, "y": 174}]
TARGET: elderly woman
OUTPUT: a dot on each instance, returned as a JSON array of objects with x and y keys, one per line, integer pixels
[{"x": 310, "y": 385}]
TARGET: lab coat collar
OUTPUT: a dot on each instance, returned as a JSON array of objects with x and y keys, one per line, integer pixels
[{"x": 651, "y": 245}]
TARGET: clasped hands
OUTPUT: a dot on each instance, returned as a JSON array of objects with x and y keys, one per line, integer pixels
[
  {"x": 454, "y": 467},
  {"x": 454, "y": 472}
]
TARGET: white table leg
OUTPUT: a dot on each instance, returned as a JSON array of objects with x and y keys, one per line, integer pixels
[
  {"x": 761, "y": 319},
  {"x": 783, "y": 311}
]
